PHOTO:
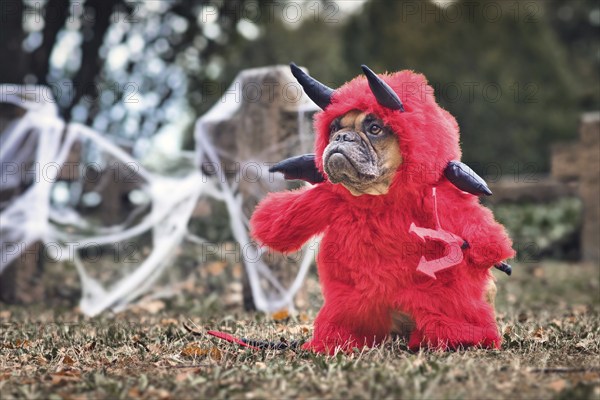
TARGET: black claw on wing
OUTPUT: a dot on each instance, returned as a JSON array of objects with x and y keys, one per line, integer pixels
[
  {"x": 466, "y": 179},
  {"x": 504, "y": 267},
  {"x": 300, "y": 167}
]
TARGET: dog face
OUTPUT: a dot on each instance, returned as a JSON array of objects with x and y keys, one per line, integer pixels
[
  {"x": 363, "y": 153},
  {"x": 426, "y": 134}
]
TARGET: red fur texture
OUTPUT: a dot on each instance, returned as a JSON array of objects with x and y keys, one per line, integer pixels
[{"x": 367, "y": 260}]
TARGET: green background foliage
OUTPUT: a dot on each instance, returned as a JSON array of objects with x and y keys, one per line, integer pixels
[{"x": 515, "y": 75}]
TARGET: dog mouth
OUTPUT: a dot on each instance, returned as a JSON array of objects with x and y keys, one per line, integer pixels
[
  {"x": 342, "y": 168},
  {"x": 337, "y": 156}
]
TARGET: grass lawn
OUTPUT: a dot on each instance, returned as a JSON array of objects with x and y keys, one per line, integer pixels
[{"x": 548, "y": 313}]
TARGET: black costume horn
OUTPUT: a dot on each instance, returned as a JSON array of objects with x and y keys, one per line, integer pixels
[
  {"x": 314, "y": 89},
  {"x": 384, "y": 94}
]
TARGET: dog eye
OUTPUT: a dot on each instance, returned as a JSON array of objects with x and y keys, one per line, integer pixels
[
  {"x": 334, "y": 127},
  {"x": 374, "y": 129}
]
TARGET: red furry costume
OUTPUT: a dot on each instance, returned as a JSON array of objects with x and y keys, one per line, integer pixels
[{"x": 368, "y": 259}]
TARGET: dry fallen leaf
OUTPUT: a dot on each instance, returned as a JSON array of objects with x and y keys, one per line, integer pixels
[
  {"x": 539, "y": 335},
  {"x": 579, "y": 309},
  {"x": 134, "y": 393},
  {"x": 238, "y": 271},
  {"x": 193, "y": 350},
  {"x": 303, "y": 317},
  {"x": 215, "y": 354},
  {"x": 558, "y": 385},
  {"x": 22, "y": 343},
  {"x": 185, "y": 375},
  {"x": 584, "y": 344},
  {"x": 557, "y": 322},
  {"x": 155, "y": 348},
  {"x": 234, "y": 294},
  {"x": 40, "y": 360},
  {"x": 168, "y": 321},
  {"x": 151, "y": 307},
  {"x": 538, "y": 272},
  {"x": 216, "y": 268},
  {"x": 589, "y": 377},
  {"x": 159, "y": 393},
  {"x": 296, "y": 330},
  {"x": 90, "y": 346},
  {"x": 182, "y": 377},
  {"x": 65, "y": 376},
  {"x": 503, "y": 385},
  {"x": 68, "y": 360},
  {"x": 280, "y": 315}
]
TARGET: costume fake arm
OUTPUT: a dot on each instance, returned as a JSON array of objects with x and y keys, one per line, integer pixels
[
  {"x": 487, "y": 243},
  {"x": 284, "y": 221}
]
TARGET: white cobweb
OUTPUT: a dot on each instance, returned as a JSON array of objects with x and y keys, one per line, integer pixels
[{"x": 42, "y": 138}]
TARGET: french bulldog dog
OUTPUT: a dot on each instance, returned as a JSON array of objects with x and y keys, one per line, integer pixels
[{"x": 406, "y": 248}]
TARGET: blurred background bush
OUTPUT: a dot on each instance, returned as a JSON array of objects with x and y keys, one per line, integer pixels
[{"x": 515, "y": 74}]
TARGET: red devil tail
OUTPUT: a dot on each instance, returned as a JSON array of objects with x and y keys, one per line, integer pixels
[{"x": 256, "y": 344}]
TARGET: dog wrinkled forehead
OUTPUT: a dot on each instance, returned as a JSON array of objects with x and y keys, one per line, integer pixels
[
  {"x": 352, "y": 119},
  {"x": 428, "y": 135}
]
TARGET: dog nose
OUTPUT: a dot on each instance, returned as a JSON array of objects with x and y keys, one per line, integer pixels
[{"x": 345, "y": 137}]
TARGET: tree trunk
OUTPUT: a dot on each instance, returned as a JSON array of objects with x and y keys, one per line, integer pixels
[
  {"x": 21, "y": 281},
  {"x": 12, "y": 67}
]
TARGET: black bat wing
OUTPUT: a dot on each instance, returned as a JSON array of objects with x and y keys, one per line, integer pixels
[
  {"x": 300, "y": 167},
  {"x": 466, "y": 179}
]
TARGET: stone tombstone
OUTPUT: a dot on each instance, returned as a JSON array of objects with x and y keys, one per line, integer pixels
[
  {"x": 565, "y": 161},
  {"x": 577, "y": 164},
  {"x": 266, "y": 128},
  {"x": 589, "y": 185},
  {"x": 272, "y": 121},
  {"x": 575, "y": 171}
]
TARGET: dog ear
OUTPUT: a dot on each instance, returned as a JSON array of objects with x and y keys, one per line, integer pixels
[
  {"x": 300, "y": 167},
  {"x": 466, "y": 179}
]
